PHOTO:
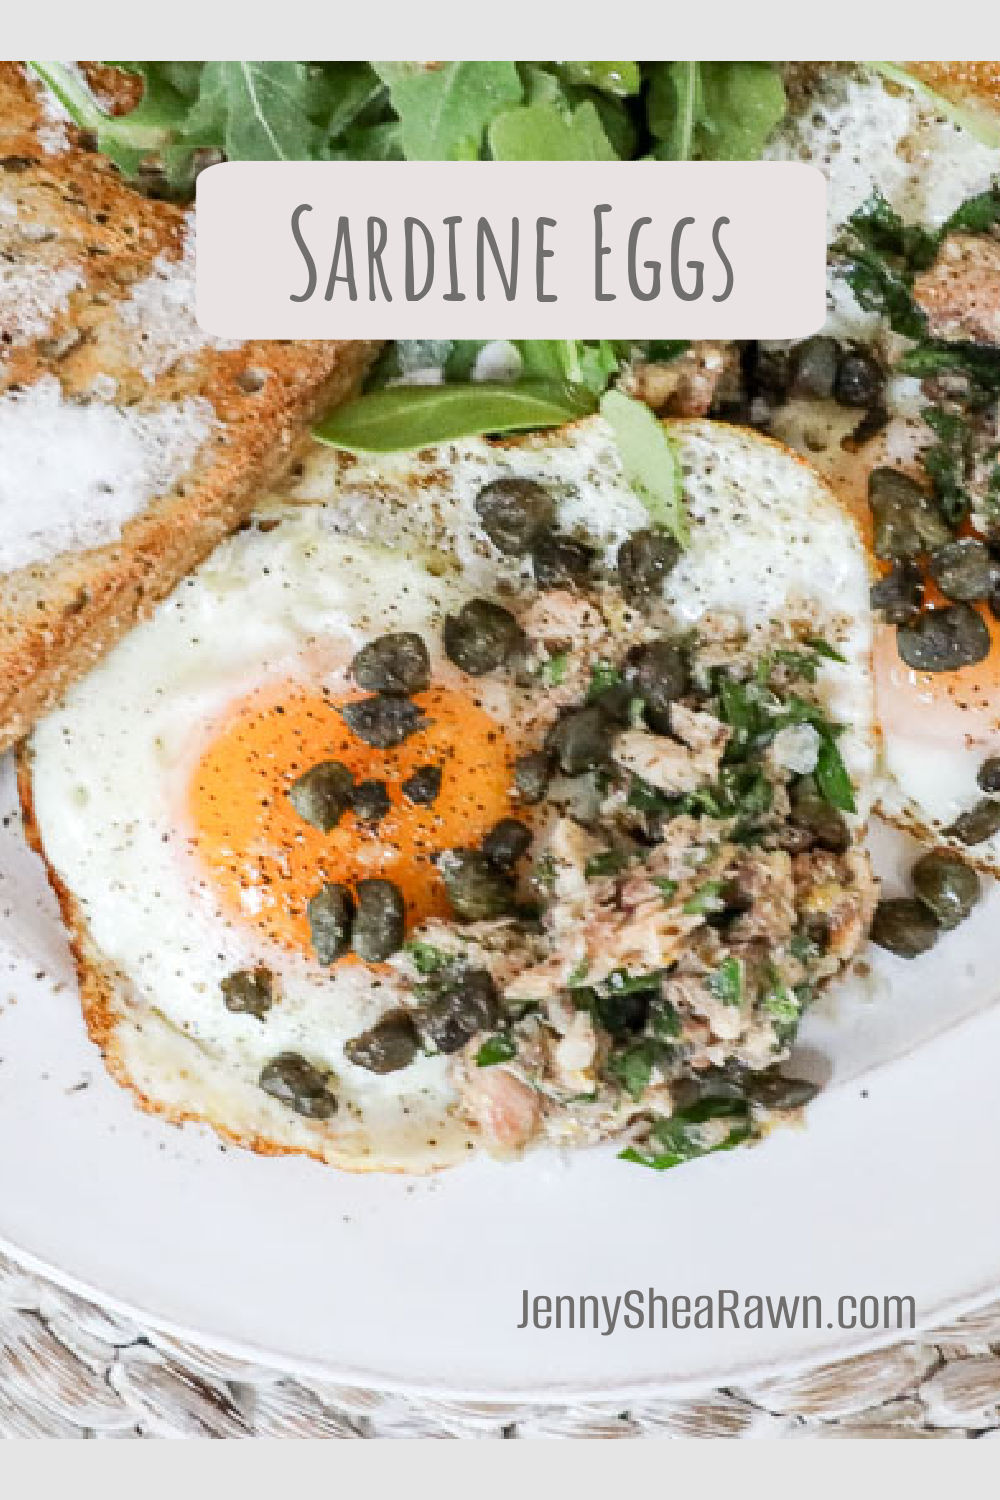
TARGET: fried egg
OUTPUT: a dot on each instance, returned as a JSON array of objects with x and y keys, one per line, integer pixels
[
  {"x": 936, "y": 728},
  {"x": 159, "y": 789}
]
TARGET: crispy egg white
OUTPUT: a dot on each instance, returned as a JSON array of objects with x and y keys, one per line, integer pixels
[
  {"x": 936, "y": 729},
  {"x": 158, "y": 786}
]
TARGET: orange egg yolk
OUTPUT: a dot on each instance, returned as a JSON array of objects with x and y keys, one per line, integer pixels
[
  {"x": 961, "y": 706},
  {"x": 265, "y": 861}
]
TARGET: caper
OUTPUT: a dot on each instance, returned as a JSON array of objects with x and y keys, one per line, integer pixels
[
  {"x": 329, "y": 913},
  {"x": 561, "y": 561},
  {"x": 580, "y": 740},
  {"x": 423, "y": 786},
  {"x": 819, "y": 818},
  {"x": 370, "y": 801},
  {"x": 393, "y": 664},
  {"x": 299, "y": 1084},
  {"x": 903, "y": 926},
  {"x": 532, "y": 773},
  {"x": 463, "y": 1006},
  {"x": 900, "y": 594},
  {"x": 947, "y": 886},
  {"x": 323, "y": 794},
  {"x": 249, "y": 991},
  {"x": 514, "y": 513},
  {"x": 814, "y": 368},
  {"x": 962, "y": 570},
  {"x": 771, "y": 372},
  {"x": 387, "y": 1046},
  {"x": 658, "y": 674},
  {"x": 859, "y": 379},
  {"x": 772, "y": 1090},
  {"x": 906, "y": 520},
  {"x": 644, "y": 560},
  {"x": 380, "y": 920},
  {"x": 383, "y": 721},
  {"x": 988, "y": 777},
  {"x": 476, "y": 889},
  {"x": 616, "y": 703},
  {"x": 943, "y": 640},
  {"x": 507, "y": 842},
  {"x": 978, "y": 824},
  {"x": 482, "y": 637}
]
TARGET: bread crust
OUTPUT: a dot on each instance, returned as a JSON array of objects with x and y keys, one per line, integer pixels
[{"x": 72, "y": 209}]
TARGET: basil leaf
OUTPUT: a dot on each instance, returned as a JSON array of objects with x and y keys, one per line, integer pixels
[
  {"x": 649, "y": 461},
  {"x": 407, "y": 417}
]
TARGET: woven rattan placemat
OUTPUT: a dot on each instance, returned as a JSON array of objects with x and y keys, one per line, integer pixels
[{"x": 69, "y": 1368}]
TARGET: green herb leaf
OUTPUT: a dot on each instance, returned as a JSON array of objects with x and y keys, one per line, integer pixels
[
  {"x": 649, "y": 461},
  {"x": 683, "y": 1137},
  {"x": 619, "y": 78},
  {"x": 555, "y": 669},
  {"x": 714, "y": 111},
  {"x": 726, "y": 983},
  {"x": 704, "y": 899},
  {"x": 823, "y": 648},
  {"x": 257, "y": 111},
  {"x": 444, "y": 108},
  {"x": 426, "y": 958},
  {"x": 544, "y": 132},
  {"x": 406, "y": 417},
  {"x": 667, "y": 888},
  {"x": 831, "y": 776},
  {"x": 496, "y": 1049},
  {"x": 608, "y": 862},
  {"x": 602, "y": 677}
]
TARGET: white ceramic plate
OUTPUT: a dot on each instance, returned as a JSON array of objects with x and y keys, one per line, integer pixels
[{"x": 889, "y": 1188}]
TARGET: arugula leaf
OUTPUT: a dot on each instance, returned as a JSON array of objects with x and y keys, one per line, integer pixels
[
  {"x": 714, "y": 111},
  {"x": 257, "y": 111},
  {"x": 444, "y": 108},
  {"x": 649, "y": 460},
  {"x": 544, "y": 132},
  {"x": 496, "y": 1049},
  {"x": 407, "y": 417},
  {"x": 742, "y": 105},
  {"x": 823, "y": 648},
  {"x": 981, "y": 124},
  {"x": 619, "y": 78},
  {"x": 682, "y": 1137},
  {"x": 126, "y": 139}
]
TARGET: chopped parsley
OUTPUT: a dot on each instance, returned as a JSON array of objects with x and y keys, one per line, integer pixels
[
  {"x": 683, "y": 1137},
  {"x": 496, "y": 1049},
  {"x": 726, "y": 983}
]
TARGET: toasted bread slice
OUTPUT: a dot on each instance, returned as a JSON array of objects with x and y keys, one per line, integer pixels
[{"x": 102, "y": 364}]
